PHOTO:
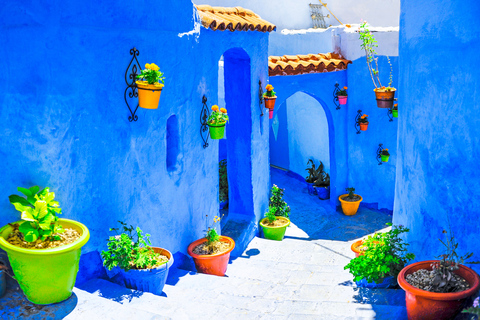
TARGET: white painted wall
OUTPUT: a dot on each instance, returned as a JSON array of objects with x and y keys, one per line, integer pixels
[{"x": 295, "y": 14}]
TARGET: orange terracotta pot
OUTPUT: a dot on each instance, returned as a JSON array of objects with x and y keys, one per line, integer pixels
[
  {"x": 363, "y": 126},
  {"x": 349, "y": 208},
  {"x": 149, "y": 95},
  {"x": 425, "y": 305},
  {"x": 215, "y": 264},
  {"x": 385, "y": 98},
  {"x": 270, "y": 102},
  {"x": 356, "y": 248}
]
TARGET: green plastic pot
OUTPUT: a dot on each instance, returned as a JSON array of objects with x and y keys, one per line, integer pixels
[
  {"x": 395, "y": 113},
  {"x": 385, "y": 158},
  {"x": 274, "y": 233},
  {"x": 46, "y": 275},
  {"x": 216, "y": 130}
]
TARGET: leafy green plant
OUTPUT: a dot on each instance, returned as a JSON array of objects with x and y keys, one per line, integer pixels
[
  {"x": 39, "y": 211},
  {"x": 317, "y": 176},
  {"x": 211, "y": 233},
  {"x": 351, "y": 194},
  {"x": 363, "y": 119},
  {"x": 277, "y": 206},
  {"x": 128, "y": 253},
  {"x": 151, "y": 74},
  {"x": 269, "y": 93},
  {"x": 342, "y": 92},
  {"x": 385, "y": 152},
  {"x": 218, "y": 116},
  {"x": 369, "y": 44},
  {"x": 270, "y": 214},
  {"x": 385, "y": 255},
  {"x": 223, "y": 180}
]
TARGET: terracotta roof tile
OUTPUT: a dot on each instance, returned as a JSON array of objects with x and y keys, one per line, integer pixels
[
  {"x": 237, "y": 18},
  {"x": 305, "y": 63}
]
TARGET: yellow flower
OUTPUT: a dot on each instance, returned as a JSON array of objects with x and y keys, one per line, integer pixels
[
  {"x": 214, "y": 107},
  {"x": 153, "y": 66},
  {"x": 345, "y": 88},
  {"x": 269, "y": 87},
  {"x": 147, "y": 66},
  {"x": 223, "y": 110}
]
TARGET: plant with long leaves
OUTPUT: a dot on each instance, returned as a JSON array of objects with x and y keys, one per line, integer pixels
[{"x": 39, "y": 211}]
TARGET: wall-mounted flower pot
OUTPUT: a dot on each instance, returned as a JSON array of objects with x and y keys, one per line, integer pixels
[
  {"x": 395, "y": 113},
  {"x": 274, "y": 232},
  {"x": 384, "y": 158},
  {"x": 385, "y": 99},
  {"x": 147, "y": 280},
  {"x": 215, "y": 264},
  {"x": 270, "y": 105},
  {"x": 149, "y": 94},
  {"x": 46, "y": 275},
  {"x": 363, "y": 126},
  {"x": 323, "y": 192},
  {"x": 349, "y": 208},
  {"x": 342, "y": 100},
  {"x": 426, "y": 305},
  {"x": 217, "y": 131}
]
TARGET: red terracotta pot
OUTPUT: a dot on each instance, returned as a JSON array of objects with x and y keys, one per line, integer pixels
[
  {"x": 363, "y": 126},
  {"x": 270, "y": 102},
  {"x": 215, "y": 264},
  {"x": 425, "y": 305}
]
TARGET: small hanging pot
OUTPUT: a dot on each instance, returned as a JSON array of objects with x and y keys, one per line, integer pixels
[
  {"x": 217, "y": 131},
  {"x": 270, "y": 105},
  {"x": 342, "y": 100},
  {"x": 395, "y": 113},
  {"x": 149, "y": 94},
  {"x": 363, "y": 126},
  {"x": 385, "y": 98},
  {"x": 384, "y": 157}
]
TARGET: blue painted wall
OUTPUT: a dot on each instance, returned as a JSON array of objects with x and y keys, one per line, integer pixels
[
  {"x": 279, "y": 147},
  {"x": 64, "y": 122},
  {"x": 439, "y": 136}
]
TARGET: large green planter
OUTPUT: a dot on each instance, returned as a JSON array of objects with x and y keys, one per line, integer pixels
[
  {"x": 46, "y": 275},
  {"x": 274, "y": 233},
  {"x": 216, "y": 130}
]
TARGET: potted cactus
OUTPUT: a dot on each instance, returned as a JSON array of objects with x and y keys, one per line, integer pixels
[
  {"x": 363, "y": 122},
  {"x": 150, "y": 88},
  {"x": 350, "y": 202},
  {"x": 342, "y": 96},
  {"x": 43, "y": 250},
  {"x": 276, "y": 221},
  {"x": 216, "y": 122},
  {"x": 269, "y": 98}
]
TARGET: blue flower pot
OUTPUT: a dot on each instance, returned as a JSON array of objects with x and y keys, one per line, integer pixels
[
  {"x": 323, "y": 193},
  {"x": 147, "y": 280},
  {"x": 311, "y": 189},
  {"x": 3, "y": 283},
  {"x": 388, "y": 282}
]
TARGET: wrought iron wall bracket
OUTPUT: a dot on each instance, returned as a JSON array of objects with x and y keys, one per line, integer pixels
[
  {"x": 260, "y": 96},
  {"x": 204, "y": 114},
  {"x": 379, "y": 154},
  {"x": 132, "y": 75},
  {"x": 357, "y": 118},
  {"x": 335, "y": 97}
]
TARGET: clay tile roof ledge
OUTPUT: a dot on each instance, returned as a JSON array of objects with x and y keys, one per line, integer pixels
[{"x": 306, "y": 63}]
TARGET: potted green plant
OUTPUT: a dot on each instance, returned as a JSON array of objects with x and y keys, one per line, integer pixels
[
  {"x": 276, "y": 221},
  {"x": 342, "y": 96},
  {"x": 384, "y": 155},
  {"x": 133, "y": 263},
  {"x": 150, "y": 88},
  {"x": 439, "y": 289},
  {"x": 269, "y": 97},
  {"x": 211, "y": 253},
  {"x": 363, "y": 122},
  {"x": 223, "y": 182},
  {"x": 395, "y": 110},
  {"x": 318, "y": 181},
  {"x": 216, "y": 122},
  {"x": 385, "y": 256},
  {"x": 43, "y": 250},
  {"x": 350, "y": 202},
  {"x": 385, "y": 95}
]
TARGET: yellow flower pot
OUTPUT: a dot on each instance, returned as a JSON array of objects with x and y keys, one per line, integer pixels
[
  {"x": 349, "y": 208},
  {"x": 149, "y": 94}
]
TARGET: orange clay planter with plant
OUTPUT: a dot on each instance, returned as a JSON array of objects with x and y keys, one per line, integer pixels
[
  {"x": 269, "y": 98},
  {"x": 363, "y": 122},
  {"x": 212, "y": 253},
  {"x": 150, "y": 89},
  {"x": 350, "y": 202}
]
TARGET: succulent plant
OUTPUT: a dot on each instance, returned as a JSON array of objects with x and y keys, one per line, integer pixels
[{"x": 317, "y": 176}]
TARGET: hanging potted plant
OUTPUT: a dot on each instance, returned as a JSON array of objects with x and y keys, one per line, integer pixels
[
  {"x": 342, "y": 96},
  {"x": 395, "y": 110},
  {"x": 133, "y": 263},
  {"x": 150, "y": 88},
  {"x": 384, "y": 95},
  {"x": 276, "y": 221},
  {"x": 43, "y": 250},
  {"x": 439, "y": 289},
  {"x": 212, "y": 253},
  {"x": 350, "y": 202},
  {"x": 216, "y": 122},
  {"x": 223, "y": 182},
  {"x": 363, "y": 122},
  {"x": 382, "y": 258},
  {"x": 384, "y": 155},
  {"x": 269, "y": 98}
]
